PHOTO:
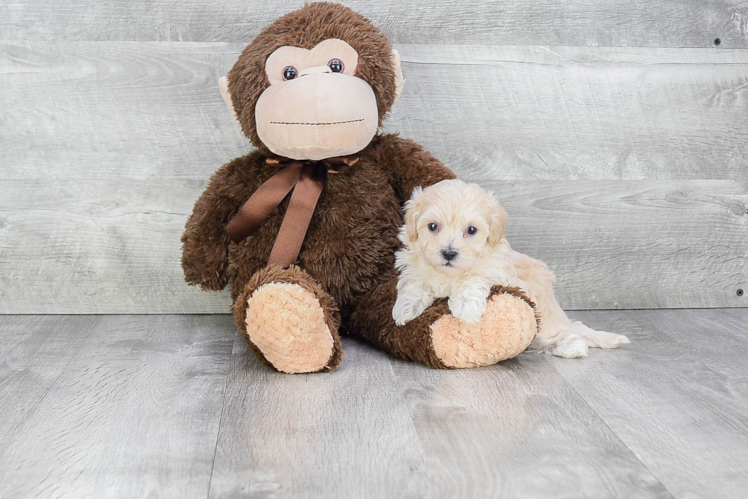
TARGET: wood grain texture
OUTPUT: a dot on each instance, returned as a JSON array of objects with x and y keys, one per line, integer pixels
[
  {"x": 35, "y": 352},
  {"x": 562, "y": 113},
  {"x": 375, "y": 430},
  {"x": 517, "y": 430},
  {"x": 117, "y": 406},
  {"x": 110, "y": 110},
  {"x": 676, "y": 396},
  {"x": 624, "y": 169},
  {"x": 634, "y": 244},
  {"x": 113, "y": 246},
  {"x": 666, "y": 23},
  {"x": 729, "y": 355},
  {"x": 345, "y": 434},
  {"x": 129, "y": 406},
  {"x": 87, "y": 110},
  {"x": 99, "y": 246}
]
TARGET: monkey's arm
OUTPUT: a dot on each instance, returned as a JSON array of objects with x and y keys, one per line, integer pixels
[
  {"x": 411, "y": 166},
  {"x": 205, "y": 243}
]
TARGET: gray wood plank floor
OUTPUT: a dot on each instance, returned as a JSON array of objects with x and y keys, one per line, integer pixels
[{"x": 157, "y": 406}]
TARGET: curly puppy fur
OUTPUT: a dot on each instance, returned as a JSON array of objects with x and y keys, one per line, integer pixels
[{"x": 455, "y": 247}]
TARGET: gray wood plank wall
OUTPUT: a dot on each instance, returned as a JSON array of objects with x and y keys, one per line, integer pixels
[
  {"x": 615, "y": 133},
  {"x": 599, "y": 23}
]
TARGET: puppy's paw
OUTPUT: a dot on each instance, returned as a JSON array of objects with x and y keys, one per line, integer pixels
[
  {"x": 468, "y": 308},
  {"x": 572, "y": 346},
  {"x": 406, "y": 310}
]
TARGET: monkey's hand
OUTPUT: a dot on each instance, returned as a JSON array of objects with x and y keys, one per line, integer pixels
[
  {"x": 205, "y": 258},
  {"x": 205, "y": 242}
]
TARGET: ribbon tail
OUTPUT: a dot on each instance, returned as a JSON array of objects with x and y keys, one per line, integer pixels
[
  {"x": 296, "y": 221},
  {"x": 261, "y": 204}
]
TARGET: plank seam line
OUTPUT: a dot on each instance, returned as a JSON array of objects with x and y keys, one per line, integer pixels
[
  {"x": 422, "y": 452},
  {"x": 220, "y": 420},
  {"x": 21, "y": 425},
  {"x": 711, "y": 321},
  {"x": 638, "y": 458}
]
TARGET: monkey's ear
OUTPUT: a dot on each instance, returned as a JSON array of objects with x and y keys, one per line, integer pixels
[
  {"x": 223, "y": 86},
  {"x": 399, "y": 80},
  {"x": 412, "y": 212}
]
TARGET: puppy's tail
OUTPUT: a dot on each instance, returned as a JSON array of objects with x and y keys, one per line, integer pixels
[
  {"x": 558, "y": 334},
  {"x": 595, "y": 338}
]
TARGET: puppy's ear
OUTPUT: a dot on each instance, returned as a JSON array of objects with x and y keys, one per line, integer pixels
[
  {"x": 497, "y": 222},
  {"x": 412, "y": 212}
]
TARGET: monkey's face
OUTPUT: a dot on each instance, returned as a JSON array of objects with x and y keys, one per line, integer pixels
[
  {"x": 314, "y": 84},
  {"x": 315, "y": 106}
]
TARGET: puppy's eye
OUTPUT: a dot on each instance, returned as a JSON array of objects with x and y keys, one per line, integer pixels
[
  {"x": 472, "y": 230},
  {"x": 433, "y": 226},
  {"x": 289, "y": 73},
  {"x": 336, "y": 65}
]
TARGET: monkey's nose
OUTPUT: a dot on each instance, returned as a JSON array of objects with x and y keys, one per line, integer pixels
[
  {"x": 449, "y": 254},
  {"x": 315, "y": 70}
]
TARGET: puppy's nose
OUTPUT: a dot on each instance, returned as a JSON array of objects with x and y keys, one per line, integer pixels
[{"x": 449, "y": 254}]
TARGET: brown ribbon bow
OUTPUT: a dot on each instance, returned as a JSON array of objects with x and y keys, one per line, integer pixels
[{"x": 306, "y": 178}]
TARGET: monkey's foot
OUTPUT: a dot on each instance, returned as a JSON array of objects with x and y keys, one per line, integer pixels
[
  {"x": 287, "y": 324},
  {"x": 506, "y": 329}
]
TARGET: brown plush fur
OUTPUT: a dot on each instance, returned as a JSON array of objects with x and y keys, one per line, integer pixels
[
  {"x": 351, "y": 239},
  {"x": 347, "y": 258},
  {"x": 372, "y": 320}
]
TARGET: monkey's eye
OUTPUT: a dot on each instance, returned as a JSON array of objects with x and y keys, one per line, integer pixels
[
  {"x": 472, "y": 230},
  {"x": 433, "y": 226},
  {"x": 336, "y": 65},
  {"x": 289, "y": 73}
]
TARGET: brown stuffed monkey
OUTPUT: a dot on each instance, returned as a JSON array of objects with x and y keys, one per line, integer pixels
[{"x": 304, "y": 227}]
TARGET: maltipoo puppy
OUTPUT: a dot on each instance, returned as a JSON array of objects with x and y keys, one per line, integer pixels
[{"x": 454, "y": 247}]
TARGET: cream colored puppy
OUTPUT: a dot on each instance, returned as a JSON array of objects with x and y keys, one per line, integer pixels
[{"x": 454, "y": 247}]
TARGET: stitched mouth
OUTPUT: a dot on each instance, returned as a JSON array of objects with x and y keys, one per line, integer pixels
[{"x": 317, "y": 123}]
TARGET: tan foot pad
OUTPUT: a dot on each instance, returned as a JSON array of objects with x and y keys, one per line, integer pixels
[
  {"x": 287, "y": 323},
  {"x": 506, "y": 329}
]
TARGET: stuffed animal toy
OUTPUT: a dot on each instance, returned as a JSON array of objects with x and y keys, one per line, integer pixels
[{"x": 305, "y": 227}]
